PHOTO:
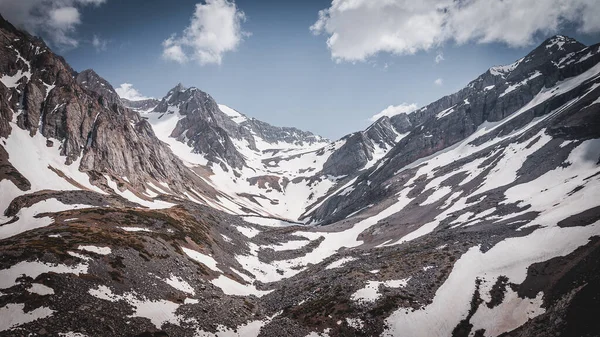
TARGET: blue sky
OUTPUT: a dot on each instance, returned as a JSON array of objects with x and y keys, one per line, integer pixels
[{"x": 284, "y": 74}]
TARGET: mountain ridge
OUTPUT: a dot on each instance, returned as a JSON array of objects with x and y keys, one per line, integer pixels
[{"x": 150, "y": 223}]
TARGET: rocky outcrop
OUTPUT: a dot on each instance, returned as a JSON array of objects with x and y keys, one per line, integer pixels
[
  {"x": 275, "y": 134},
  {"x": 204, "y": 127},
  {"x": 366, "y": 146},
  {"x": 143, "y": 105},
  {"x": 82, "y": 112},
  {"x": 90, "y": 80}
]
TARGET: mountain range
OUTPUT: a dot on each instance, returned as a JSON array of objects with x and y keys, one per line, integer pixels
[{"x": 475, "y": 215}]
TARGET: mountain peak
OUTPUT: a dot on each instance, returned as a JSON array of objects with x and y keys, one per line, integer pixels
[
  {"x": 559, "y": 42},
  {"x": 90, "y": 80},
  {"x": 178, "y": 87}
]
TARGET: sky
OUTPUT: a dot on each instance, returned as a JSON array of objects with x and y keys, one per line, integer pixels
[{"x": 323, "y": 66}]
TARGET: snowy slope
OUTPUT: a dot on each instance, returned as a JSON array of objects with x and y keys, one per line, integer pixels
[{"x": 484, "y": 202}]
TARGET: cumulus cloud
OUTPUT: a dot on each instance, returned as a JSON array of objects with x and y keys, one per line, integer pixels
[
  {"x": 127, "y": 91},
  {"x": 359, "y": 29},
  {"x": 393, "y": 110},
  {"x": 215, "y": 29},
  {"x": 438, "y": 81},
  {"x": 56, "y": 20},
  {"x": 99, "y": 44}
]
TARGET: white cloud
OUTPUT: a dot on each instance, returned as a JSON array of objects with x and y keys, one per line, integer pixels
[
  {"x": 127, "y": 91},
  {"x": 359, "y": 29},
  {"x": 439, "y": 57},
  {"x": 215, "y": 29},
  {"x": 393, "y": 110},
  {"x": 55, "y": 21},
  {"x": 438, "y": 81},
  {"x": 99, "y": 44},
  {"x": 173, "y": 51}
]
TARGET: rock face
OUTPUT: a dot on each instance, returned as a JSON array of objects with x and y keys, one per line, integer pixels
[
  {"x": 141, "y": 105},
  {"x": 366, "y": 147},
  {"x": 204, "y": 127},
  {"x": 88, "y": 79},
  {"x": 496, "y": 95},
  {"x": 477, "y": 215},
  {"x": 81, "y": 112},
  {"x": 211, "y": 132}
]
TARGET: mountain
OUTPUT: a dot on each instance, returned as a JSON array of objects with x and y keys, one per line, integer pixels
[
  {"x": 476, "y": 215},
  {"x": 141, "y": 105}
]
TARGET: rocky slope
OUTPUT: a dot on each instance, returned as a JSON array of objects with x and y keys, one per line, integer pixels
[
  {"x": 277, "y": 171},
  {"x": 477, "y": 215},
  {"x": 142, "y": 105}
]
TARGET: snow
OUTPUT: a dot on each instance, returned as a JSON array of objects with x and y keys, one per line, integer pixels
[
  {"x": 289, "y": 245},
  {"x": 325, "y": 333},
  {"x": 586, "y": 56},
  {"x": 505, "y": 169},
  {"x": 35, "y": 268},
  {"x": 12, "y": 81},
  {"x": 333, "y": 241},
  {"x": 445, "y": 113},
  {"x": 509, "y": 315},
  {"x": 249, "y": 232},
  {"x": 559, "y": 41},
  {"x": 438, "y": 194},
  {"x": 95, "y": 249},
  {"x": 504, "y": 70},
  {"x": 242, "y": 275},
  {"x": 13, "y": 315},
  {"x": 339, "y": 263},
  {"x": 27, "y": 219},
  {"x": 163, "y": 124},
  {"x": 202, "y": 258},
  {"x": 249, "y": 329},
  {"x": 135, "y": 229},
  {"x": 180, "y": 284},
  {"x": 355, "y": 323},
  {"x": 514, "y": 86},
  {"x": 49, "y": 88},
  {"x": 40, "y": 289},
  {"x": 39, "y": 175},
  {"x": 370, "y": 293},
  {"x": 268, "y": 222},
  {"x": 233, "y": 114},
  {"x": 510, "y": 257},
  {"x": 548, "y": 194},
  {"x": 127, "y": 194},
  {"x": 289, "y": 160},
  {"x": 159, "y": 312},
  {"x": 231, "y": 287},
  {"x": 79, "y": 256}
]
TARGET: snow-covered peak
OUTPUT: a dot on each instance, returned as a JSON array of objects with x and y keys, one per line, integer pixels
[
  {"x": 232, "y": 113},
  {"x": 505, "y": 69},
  {"x": 558, "y": 41}
]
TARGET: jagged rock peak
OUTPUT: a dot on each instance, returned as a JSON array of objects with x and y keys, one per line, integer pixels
[{"x": 90, "y": 80}]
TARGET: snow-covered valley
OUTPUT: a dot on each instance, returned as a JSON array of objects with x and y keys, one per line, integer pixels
[{"x": 475, "y": 215}]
